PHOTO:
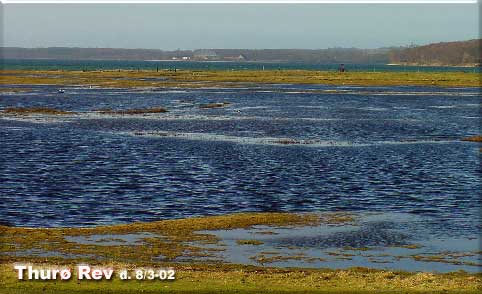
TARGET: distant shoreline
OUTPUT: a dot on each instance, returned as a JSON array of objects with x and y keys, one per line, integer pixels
[
  {"x": 475, "y": 65},
  {"x": 215, "y": 65},
  {"x": 270, "y": 62}
]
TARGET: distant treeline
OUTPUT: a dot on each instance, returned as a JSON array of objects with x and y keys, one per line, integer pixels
[
  {"x": 463, "y": 53},
  {"x": 332, "y": 55},
  {"x": 450, "y": 53},
  {"x": 336, "y": 55},
  {"x": 84, "y": 53}
]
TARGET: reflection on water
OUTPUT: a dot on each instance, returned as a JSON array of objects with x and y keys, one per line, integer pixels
[{"x": 90, "y": 169}]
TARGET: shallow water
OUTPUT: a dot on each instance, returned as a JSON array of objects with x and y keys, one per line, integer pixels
[
  {"x": 394, "y": 241},
  {"x": 370, "y": 149},
  {"x": 52, "y": 64}
]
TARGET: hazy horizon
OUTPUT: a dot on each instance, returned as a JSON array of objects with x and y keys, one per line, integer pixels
[
  {"x": 245, "y": 48},
  {"x": 171, "y": 27}
]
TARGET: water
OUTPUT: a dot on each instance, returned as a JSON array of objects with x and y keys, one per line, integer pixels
[
  {"x": 375, "y": 240},
  {"x": 388, "y": 149},
  {"x": 52, "y": 64}
]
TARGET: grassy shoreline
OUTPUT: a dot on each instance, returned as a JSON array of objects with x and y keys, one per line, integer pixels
[
  {"x": 176, "y": 237},
  {"x": 250, "y": 279},
  {"x": 169, "y": 238},
  {"x": 195, "y": 78}
]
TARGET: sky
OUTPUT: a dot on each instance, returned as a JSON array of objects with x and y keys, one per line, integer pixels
[{"x": 253, "y": 26}]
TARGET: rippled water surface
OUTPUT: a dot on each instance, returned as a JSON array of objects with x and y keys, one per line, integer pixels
[
  {"x": 53, "y": 64},
  {"x": 351, "y": 149}
]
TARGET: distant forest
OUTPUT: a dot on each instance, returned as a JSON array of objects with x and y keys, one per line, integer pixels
[
  {"x": 332, "y": 55},
  {"x": 336, "y": 55},
  {"x": 463, "y": 53},
  {"x": 450, "y": 53}
]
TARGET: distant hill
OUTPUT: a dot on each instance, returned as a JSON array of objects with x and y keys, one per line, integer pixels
[{"x": 462, "y": 53}]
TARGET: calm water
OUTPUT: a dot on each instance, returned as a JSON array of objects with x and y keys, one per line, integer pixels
[
  {"x": 387, "y": 149},
  {"x": 43, "y": 64}
]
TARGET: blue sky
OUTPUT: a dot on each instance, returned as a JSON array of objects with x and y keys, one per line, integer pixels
[{"x": 191, "y": 26}]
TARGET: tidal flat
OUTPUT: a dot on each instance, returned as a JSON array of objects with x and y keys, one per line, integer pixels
[
  {"x": 377, "y": 176},
  {"x": 224, "y": 78},
  {"x": 187, "y": 243}
]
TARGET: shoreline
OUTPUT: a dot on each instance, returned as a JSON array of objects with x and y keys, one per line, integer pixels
[
  {"x": 244, "y": 279},
  {"x": 227, "y": 78},
  {"x": 185, "y": 235},
  {"x": 435, "y": 65},
  {"x": 208, "y": 239}
]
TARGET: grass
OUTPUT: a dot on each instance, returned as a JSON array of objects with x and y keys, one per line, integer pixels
[
  {"x": 410, "y": 246},
  {"x": 356, "y": 248},
  {"x": 263, "y": 258},
  {"x": 134, "y": 111},
  {"x": 249, "y": 242},
  {"x": 53, "y": 111},
  {"x": 214, "y": 105},
  {"x": 444, "y": 258},
  {"x": 250, "y": 279},
  {"x": 175, "y": 239},
  {"x": 195, "y": 79},
  {"x": 36, "y": 110},
  {"x": 473, "y": 139},
  {"x": 348, "y": 78},
  {"x": 15, "y": 90}
]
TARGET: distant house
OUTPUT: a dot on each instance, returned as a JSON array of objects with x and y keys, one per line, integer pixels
[
  {"x": 240, "y": 57},
  {"x": 205, "y": 54}
]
